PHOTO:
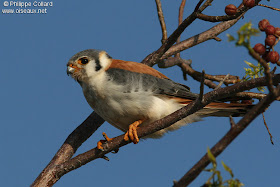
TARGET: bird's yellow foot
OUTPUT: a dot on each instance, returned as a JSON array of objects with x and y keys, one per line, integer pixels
[
  {"x": 132, "y": 132},
  {"x": 99, "y": 144}
]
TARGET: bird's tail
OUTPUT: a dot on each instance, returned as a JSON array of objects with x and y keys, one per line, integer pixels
[
  {"x": 221, "y": 109},
  {"x": 225, "y": 109}
]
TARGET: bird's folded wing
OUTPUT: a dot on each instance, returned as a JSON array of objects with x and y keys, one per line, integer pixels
[{"x": 134, "y": 80}]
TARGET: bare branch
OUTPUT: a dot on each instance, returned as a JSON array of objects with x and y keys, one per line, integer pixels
[
  {"x": 200, "y": 98},
  {"x": 198, "y": 5},
  {"x": 227, "y": 139},
  {"x": 277, "y": 9},
  {"x": 200, "y": 38},
  {"x": 187, "y": 69},
  {"x": 162, "y": 22},
  {"x": 180, "y": 20},
  {"x": 154, "y": 57},
  {"x": 218, "y": 78},
  {"x": 222, "y": 82},
  {"x": 181, "y": 13},
  {"x": 69, "y": 147},
  {"x": 217, "y": 38},
  {"x": 267, "y": 129},
  {"x": 232, "y": 123},
  {"x": 252, "y": 95}
]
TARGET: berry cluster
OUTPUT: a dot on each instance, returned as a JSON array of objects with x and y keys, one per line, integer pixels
[
  {"x": 267, "y": 52},
  {"x": 231, "y": 9}
]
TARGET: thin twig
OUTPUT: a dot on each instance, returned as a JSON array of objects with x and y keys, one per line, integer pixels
[
  {"x": 232, "y": 123},
  {"x": 267, "y": 129},
  {"x": 217, "y": 78},
  {"x": 162, "y": 22},
  {"x": 186, "y": 68},
  {"x": 252, "y": 95},
  {"x": 276, "y": 42},
  {"x": 217, "y": 38},
  {"x": 222, "y": 82},
  {"x": 198, "y": 5},
  {"x": 277, "y": 9},
  {"x": 180, "y": 20},
  {"x": 267, "y": 72},
  {"x": 200, "y": 98}
]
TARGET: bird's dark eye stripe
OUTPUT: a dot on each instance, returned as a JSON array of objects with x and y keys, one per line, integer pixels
[
  {"x": 97, "y": 65},
  {"x": 83, "y": 60}
]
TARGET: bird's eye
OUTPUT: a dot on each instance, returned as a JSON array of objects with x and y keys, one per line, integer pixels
[{"x": 83, "y": 61}]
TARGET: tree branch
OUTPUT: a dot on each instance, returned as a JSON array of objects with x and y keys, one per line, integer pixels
[
  {"x": 241, "y": 10},
  {"x": 227, "y": 139},
  {"x": 273, "y": 8},
  {"x": 180, "y": 20},
  {"x": 155, "y": 56},
  {"x": 200, "y": 38},
  {"x": 162, "y": 22},
  {"x": 187, "y": 69},
  {"x": 69, "y": 147}
]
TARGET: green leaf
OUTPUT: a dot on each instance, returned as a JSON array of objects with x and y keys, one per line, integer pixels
[
  {"x": 227, "y": 169},
  {"x": 220, "y": 178},
  {"x": 230, "y": 38},
  {"x": 240, "y": 40},
  {"x": 250, "y": 64},
  {"x": 245, "y": 33},
  {"x": 211, "y": 157}
]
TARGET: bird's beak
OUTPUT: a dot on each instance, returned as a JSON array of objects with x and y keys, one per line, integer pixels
[{"x": 70, "y": 70}]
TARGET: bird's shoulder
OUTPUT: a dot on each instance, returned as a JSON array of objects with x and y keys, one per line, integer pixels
[{"x": 136, "y": 67}]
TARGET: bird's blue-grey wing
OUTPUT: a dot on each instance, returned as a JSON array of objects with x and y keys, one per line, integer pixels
[{"x": 133, "y": 81}]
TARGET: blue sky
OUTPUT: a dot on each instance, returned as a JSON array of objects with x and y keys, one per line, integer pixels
[{"x": 41, "y": 105}]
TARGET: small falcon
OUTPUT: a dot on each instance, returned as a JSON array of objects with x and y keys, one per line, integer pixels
[{"x": 129, "y": 94}]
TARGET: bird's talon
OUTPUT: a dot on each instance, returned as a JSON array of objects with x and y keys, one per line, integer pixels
[
  {"x": 126, "y": 138},
  {"x": 99, "y": 144},
  {"x": 106, "y": 137},
  {"x": 131, "y": 134}
]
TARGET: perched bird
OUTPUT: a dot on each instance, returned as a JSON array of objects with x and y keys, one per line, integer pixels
[{"x": 129, "y": 94}]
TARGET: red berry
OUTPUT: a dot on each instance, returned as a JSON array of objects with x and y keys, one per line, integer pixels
[
  {"x": 230, "y": 9},
  {"x": 263, "y": 24},
  {"x": 270, "y": 30},
  {"x": 270, "y": 40},
  {"x": 249, "y": 3},
  {"x": 273, "y": 57},
  {"x": 277, "y": 31},
  {"x": 259, "y": 48}
]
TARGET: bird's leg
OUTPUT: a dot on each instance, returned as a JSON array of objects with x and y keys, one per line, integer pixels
[
  {"x": 107, "y": 139},
  {"x": 132, "y": 132}
]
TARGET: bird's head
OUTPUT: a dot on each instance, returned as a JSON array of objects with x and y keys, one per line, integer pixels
[{"x": 88, "y": 63}]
